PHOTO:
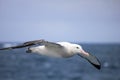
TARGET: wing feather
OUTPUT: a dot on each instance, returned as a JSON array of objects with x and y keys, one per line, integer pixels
[
  {"x": 26, "y": 44},
  {"x": 35, "y": 42}
]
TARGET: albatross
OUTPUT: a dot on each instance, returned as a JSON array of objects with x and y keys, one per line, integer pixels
[{"x": 57, "y": 49}]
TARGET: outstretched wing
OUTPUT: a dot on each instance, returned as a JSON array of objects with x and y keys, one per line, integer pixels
[
  {"x": 26, "y": 44},
  {"x": 31, "y": 43}
]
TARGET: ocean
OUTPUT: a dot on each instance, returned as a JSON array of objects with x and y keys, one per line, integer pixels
[{"x": 18, "y": 65}]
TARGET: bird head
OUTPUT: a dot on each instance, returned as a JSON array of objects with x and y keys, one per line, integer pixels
[{"x": 77, "y": 49}]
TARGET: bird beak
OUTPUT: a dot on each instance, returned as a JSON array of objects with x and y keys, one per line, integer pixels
[{"x": 92, "y": 59}]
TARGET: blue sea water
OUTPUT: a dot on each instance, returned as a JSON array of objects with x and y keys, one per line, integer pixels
[{"x": 18, "y": 65}]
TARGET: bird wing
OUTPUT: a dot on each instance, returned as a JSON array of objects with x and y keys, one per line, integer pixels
[{"x": 35, "y": 42}]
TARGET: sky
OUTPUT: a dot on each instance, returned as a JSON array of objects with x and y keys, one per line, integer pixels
[{"x": 87, "y": 21}]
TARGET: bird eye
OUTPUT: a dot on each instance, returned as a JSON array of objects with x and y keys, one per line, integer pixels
[{"x": 77, "y": 47}]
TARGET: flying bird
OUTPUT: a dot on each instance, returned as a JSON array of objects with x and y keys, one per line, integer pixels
[{"x": 57, "y": 49}]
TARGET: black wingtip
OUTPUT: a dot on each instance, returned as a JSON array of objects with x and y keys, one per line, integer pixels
[
  {"x": 97, "y": 66},
  {"x": 6, "y": 48}
]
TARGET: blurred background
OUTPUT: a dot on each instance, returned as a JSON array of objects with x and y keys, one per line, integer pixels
[
  {"x": 95, "y": 24},
  {"x": 60, "y": 20}
]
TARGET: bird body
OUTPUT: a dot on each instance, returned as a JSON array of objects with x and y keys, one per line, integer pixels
[{"x": 65, "y": 51}]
